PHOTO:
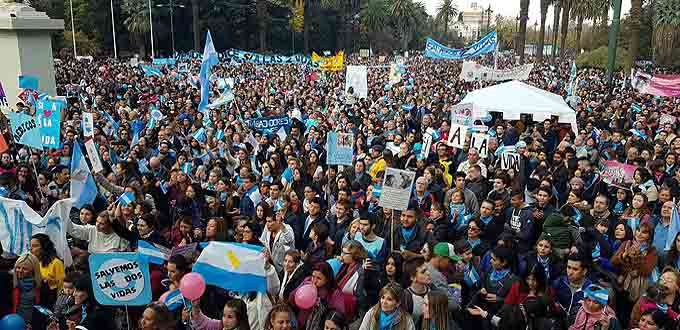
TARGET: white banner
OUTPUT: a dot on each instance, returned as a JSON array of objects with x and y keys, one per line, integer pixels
[
  {"x": 88, "y": 124},
  {"x": 457, "y": 136},
  {"x": 94, "y": 156},
  {"x": 480, "y": 141},
  {"x": 20, "y": 222},
  {"x": 396, "y": 189},
  {"x": 473, "y": 72},
  {"x": 357, "y": 78}
]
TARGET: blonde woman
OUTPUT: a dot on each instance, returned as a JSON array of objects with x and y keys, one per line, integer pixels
[
  {"x": 388, "y": 314},
  {"x": 27, "y": 282}
]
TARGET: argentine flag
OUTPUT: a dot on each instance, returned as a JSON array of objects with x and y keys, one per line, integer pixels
[
  {"x": 673, "y": 229},
  {"x": 83, "y": 188},
  {"x": 151, "y": 71},
  {"x": 152, "y": 253},
  {"x": 126, "y": 198},
  {"x": 174, "y": 300},
  {"x": 233, "y": 266},
  {"x": 210, "y": 59}
]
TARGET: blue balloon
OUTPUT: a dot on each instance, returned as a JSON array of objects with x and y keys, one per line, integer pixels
[{"x": 12, "y": 322}]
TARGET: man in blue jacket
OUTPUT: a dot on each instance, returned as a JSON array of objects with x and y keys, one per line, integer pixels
[
  {"x": 519, "y": 218},
  {"x": 569, "y": 288}
]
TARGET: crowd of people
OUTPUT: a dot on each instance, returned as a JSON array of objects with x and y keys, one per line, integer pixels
[{"x": 552, "y": 245}]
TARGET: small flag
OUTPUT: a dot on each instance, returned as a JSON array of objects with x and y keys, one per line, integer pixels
[
  {"x": 152, "y": 253},
  {"x": 28, "y": 82},
  {"x": 636, "y": 108},
  {"x": 220, "y": 135},
  {"x": 186, "y": 168},
  {"x": 282, "y": 134},
  {"x": 174, "y": 300},
  {"x": 126, "y": 198},
  {"x": 200, "y": 135},
  {"x": 242, "y": 264},
  {"x": 674, "y": 228},
  {"x": 164, "y": 187}
]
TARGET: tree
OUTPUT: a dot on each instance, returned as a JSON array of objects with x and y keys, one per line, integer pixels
[
  {"x": 635, "y": 18},
  {"x": 541, "y": 34},
  {"x": 556, "y": 25},
  {"x": 523, "y": 17},
  {"x": 445, "y": 12},
  {"x": 137, "y": 22},
  {"x": 566, "y": 7},
  {"x": 667, "y": 22},
  {"x": 373, "y": 18},
  {"x": 581, "y": 10},
  {"x": 195, "y": 25}
]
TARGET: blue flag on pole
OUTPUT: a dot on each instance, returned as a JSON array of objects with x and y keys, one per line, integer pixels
[
  {"x": 674, "y": 228},
  {"x": 151, "y": 71},
  {"x": 25, "y": 130},
  {"x": 28, "y": 82},
  {"x": 210, "y": 59},
  {"x": 126, "y": 198},
  {"x": 83, "y": 187}
]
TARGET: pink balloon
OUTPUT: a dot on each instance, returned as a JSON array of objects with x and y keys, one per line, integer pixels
[
  {"x": 192, "y": 286},
  {"x": 305, "y": 296}
]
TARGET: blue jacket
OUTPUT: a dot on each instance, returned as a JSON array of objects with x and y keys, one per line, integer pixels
[{"x": 570, "y": 302}]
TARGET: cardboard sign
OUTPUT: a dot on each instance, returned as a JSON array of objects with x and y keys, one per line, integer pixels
[
  {"x": 120, "y": 279},
  {"x": 510, "y": 160},
  {"x": 396, "y": 189},
  {"x": 462, "y": 114},
  {"x": 480, "y": 141},
  {"x": 457, "y": 136}
]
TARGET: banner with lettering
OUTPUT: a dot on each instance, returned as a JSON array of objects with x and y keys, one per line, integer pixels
[
  {"x": 659, "y": 85},
  {"x": 272, "y": 123},
  {"x": 473, "y": 72},
  {"x": 25, "y": 130},
  {"x": 618, "y": 174},
  {"x": 164, "y": 61},
  {"x": 486, "y": 45},
  {"x": 330, "y": 63},
  {"x": 48, "y": 115},
  {"x": 3, "y": 98},
  {"x": 120, "y": 279},
  {"x": 249, "y": 57}
]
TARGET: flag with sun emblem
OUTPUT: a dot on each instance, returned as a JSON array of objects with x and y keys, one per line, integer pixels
[{"x": 233, "y": 266}]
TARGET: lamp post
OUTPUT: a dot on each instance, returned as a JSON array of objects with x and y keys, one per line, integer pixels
[
  {"x": 73, "y": 31},
  {"x": 172, "y": 6},
  {"x": 113, "y": 32},
  {"x": 153, "y": 52}
]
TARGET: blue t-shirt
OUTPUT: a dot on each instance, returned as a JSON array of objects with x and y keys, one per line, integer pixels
[{"x": 375, "y": 249}]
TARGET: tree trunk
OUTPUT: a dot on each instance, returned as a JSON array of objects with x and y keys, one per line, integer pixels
[
  {"x": 556, "y": 26},
  {"x": 565, "y": 27},
  {"x": 307, "y": 26},
  {"x": 635, "y": 18},
  {"x": 523, "y": 17},
  {"x": 261, "y": 10},
  {"x": 194, "y": 25},
  {"x": 579, "y": 29},
  {"x": 541, "y": 33}
]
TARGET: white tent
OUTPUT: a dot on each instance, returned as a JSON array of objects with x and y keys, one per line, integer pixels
[{"x": 514, "y": 98}]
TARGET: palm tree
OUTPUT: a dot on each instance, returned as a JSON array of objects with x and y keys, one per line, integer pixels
[
  {"x": 373, "y": 17},
  {"x": 137, "y": 22},
  {"x": 523, "y": 17},
  {"x": 635, "y": 18},
  {"x": 556, "y": 25},
  {"x": 541, "y": 34},
  {"x": 566, "y": 7},
  {"x": 666, "y": 35},
  {"x": 582, "y": 10},
  {"x": 445, "y": 12},
  {"x": 400, "y": 12}
]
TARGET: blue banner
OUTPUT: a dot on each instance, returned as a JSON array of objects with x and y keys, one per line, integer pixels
[
  {"x": 25, "y": 130},
  {"x": 243, "y": 56},
  {"x": 28, "y": 82},
  {"x": 438, "y": 51},
  {"x": 340, "y": 148},
  {"x": 151, "y": 71},
  {"x": 120, "y": 279},
  {"x": 48, "y": 115},
  {"x": 164, "y": 61},
  {"x": 269, "y": 123}
]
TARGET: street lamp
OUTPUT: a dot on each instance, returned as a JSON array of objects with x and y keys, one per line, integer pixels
[
  {"x": 172, "y": 6},
  {"x": 113, "y": 31},
  {"x": 73, "y": 31},
  {"x": 153, "y": 53}
]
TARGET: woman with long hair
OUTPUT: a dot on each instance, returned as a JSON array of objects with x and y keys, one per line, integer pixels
[
  {"x": 279, "y": 318},
  {"x": 156, "y": 316},
  {"x": 234, "y": 317},
  {"x": 51, "y": 267},
  {"x": 393, "y": 270},
  {"x": 436, "y": 313},
  {"x": 323, "y": 279},
  {"x": 544, "y": 256},
  {"x": 350, "y": 278},
  {"x": 27, "y": 283},
  {"x": 388, "y": 314},
  {"x": 637, "y": 212}
]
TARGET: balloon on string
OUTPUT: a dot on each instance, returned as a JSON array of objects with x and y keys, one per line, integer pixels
[
  {"x": 192, "y": 286},
  {"x": 12, "y": 322},
  {"x": 305, "y": 296}
]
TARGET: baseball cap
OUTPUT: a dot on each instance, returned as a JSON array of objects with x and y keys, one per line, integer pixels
[{"x": 446, "y": 250}]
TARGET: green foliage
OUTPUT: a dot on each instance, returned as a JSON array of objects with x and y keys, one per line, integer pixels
[{"x": 598, "y": 58}]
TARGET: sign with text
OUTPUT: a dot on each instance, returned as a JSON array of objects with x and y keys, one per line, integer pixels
[
  {"x": 457, "y": 136},
  {"x": 480, "y": 141},
  {"x": 120, "y": 279},
  {"x": 272, "y": 123},
  {"x": 462, "y": 114},
  {"x": 340, "y": 148},
  {"x": 618, "y": 174},
  {"x": 510, "y": 160}
]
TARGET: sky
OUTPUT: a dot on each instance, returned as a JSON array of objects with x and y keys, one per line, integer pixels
[{"x": 510, "y": 8}]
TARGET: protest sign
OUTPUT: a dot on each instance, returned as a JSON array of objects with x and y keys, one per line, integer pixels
[
  {"x": 510, "y": 160},
  {"x": 659, "y": 85},
  {"x": 480, "y": 141},
  {"x": 357, "y": 78},
  {"x": 667, "y": 119},
  {"x": 329, "y": 63},
  {"x": 249, "y": 57},
  {"x": 363, "y": 52},
  {"x": 120, "y": 279},
  {"x": 462, "y": 114},
  {"x": 272, "y": 123},
  {"x": 486, "y": 45},
  {"x": 427, "y": 144},
  {"x": 48, "y": 115},
  {"x": 618, "y": 174},
  {"x": 340, "y": 148},
  {"x": 164, "y": 61},
  {"x": 25, "y": 130},
  {"x": 396, "y": 189},
  {"x": 93, "y": 155},
  {"x": 395, "y": 75},
  {"x": 88, "y": 124},
  {"x": 457, "y": 136},
  {"x": 3, "y": 98}
]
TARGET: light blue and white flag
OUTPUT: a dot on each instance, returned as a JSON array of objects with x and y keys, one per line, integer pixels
[
  {"x": 174, "y": 300},
  {"x": 200, "y": 135},
  {"x": 486, "y": 45},
  {"x": 18, "y": 222},
  {"x": 242, "y": 264},
  {"x": 674, "y": 228},
  {"x": 83, "y": 187},
  {"x": 210, "y": 59},
  {"x": 186, "y": 168},
  {"x": 126, "y": 198},
  {"x": 25, "y": 130},
  {"x": 150, "y": 71},
  {"x": 572, "y": 80},
  {"x": 152, "y": 253}
]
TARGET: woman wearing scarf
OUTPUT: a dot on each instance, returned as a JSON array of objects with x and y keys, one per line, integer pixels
[
  {"x": 388, "y": 314},
  {"x": 595, "y": 313},
  {"x": 27, "y": 283},
  {"x": 543, "y": 256},
  {"x": 637, "y": 212},
  {"x": 350, "y": 278},
  {"x": 497, "y": 283}
]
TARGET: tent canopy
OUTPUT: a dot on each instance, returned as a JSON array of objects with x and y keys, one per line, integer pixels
[{"x": 514, "y": 98}]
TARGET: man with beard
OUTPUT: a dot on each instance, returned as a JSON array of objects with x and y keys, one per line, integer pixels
[
  {"x": 560, "y": 175},
  {"x": 166, "y": 158},
  {"x": 477, "y": 183}
]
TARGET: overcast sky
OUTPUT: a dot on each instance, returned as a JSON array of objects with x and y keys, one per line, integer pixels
[{"x": 509, "y": 8}]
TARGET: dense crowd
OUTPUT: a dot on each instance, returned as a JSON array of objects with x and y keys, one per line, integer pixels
[{"x": 550, "y": 246}]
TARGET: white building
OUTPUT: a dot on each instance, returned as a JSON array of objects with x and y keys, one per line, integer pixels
[{"x": 474, "y": 22}]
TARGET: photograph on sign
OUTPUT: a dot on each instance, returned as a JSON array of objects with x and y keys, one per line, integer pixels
[
  {"x": 462, "y": 113},
  {"x": 396, "y": 189},
  {"x": 340, "y": 148}
]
